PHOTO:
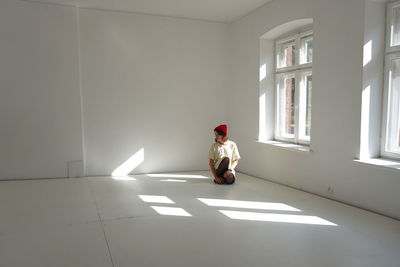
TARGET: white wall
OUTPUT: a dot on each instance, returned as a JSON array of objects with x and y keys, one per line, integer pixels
[
  {"x": 40, "y": 127},
  {"x": 337, "y": 87},
  {"x": 151, "y": 82},
  {"x": 373, "y": 68}
]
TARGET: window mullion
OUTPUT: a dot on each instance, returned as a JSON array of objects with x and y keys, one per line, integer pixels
[
  {"x": 297, "y": 106},
  {"x": 297, "y": 89},
  {"x": 386, "y": 112},
  {"x": 278, "y": 113},
  {"x": 394, "y": 120}
]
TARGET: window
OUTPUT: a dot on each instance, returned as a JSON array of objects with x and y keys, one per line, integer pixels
[
  {"x": 391, "y": 112},
  {"x": 293, "y": 80}
]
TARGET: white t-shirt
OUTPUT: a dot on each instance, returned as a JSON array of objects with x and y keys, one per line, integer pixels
[{"x": 219, "y": 151}]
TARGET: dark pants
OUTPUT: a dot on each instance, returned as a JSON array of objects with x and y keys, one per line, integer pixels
[{"x": 222, "y": 168}]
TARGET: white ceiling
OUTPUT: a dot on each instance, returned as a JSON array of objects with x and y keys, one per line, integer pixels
[{"x": 211, "y": 10}]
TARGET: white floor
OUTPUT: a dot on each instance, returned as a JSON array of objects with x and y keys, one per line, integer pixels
[{"x": 101, "y": 221}]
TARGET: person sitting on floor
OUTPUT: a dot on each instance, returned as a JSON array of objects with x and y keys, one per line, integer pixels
[{"x": 223, "y": 157}]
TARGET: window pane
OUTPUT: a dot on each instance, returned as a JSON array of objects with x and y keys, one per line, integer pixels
[
  {"x": 290, "y": 55},
  {"x": 398, "y": 135},
  {"x": 305, "y": 106},
  {"x": 394, "y": 109},
  {"x": 309, "y": 51},
  {"x": 306, "y": 50},
  {"x": 308, "y": 105},
  {"x": 287, "y": 55},
  {"x": 289, "y": 98},
  {"x": 396, "y": 27}
]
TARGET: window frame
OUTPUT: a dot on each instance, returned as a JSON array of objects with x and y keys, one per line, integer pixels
[
  {"x": 389, "y": 121},
  {"x": 390, "y": 112},
  {"x": 303, "y": 100},
  {"x": 279, "y": 81},
  {"x": 389, "y": 21},
  {"x": 299, "y": 70}
]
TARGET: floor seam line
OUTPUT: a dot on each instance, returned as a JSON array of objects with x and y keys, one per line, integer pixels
[
  {"x": 101, "y": 223},
  {"x": 131, "y": 218}
]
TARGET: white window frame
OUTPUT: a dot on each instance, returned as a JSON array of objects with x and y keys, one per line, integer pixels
[
  {"x": 280, "y": 78},
  {"x": 391, "y": 105},
  {"x": 389, "y": 23},
  {"x": 303, "y": 102},
  {"x": 299, "y": 71}
]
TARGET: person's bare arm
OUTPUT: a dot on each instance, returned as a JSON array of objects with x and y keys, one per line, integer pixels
[
  {"x": 234, "y": 163},
  {"x": 211, "y": 163}
]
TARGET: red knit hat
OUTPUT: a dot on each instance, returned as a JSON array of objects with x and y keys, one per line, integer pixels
[{"x": 222, "y": 128}]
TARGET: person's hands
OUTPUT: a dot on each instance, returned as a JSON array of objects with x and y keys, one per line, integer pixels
[
  {"x": 219, "y": 180},
  {"x": 227, "y": 173}
]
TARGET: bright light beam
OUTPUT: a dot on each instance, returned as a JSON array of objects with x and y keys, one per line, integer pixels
[
  {"x": 156, "y": 199},
  {"x": 367, "y": 53},
  {"x": 173, "y": 180},
  {"x": 271, "y": 217},
  {"x": 263, "y": 72},
  {"x": 246, "y": 204},
  {"x": 178, "y": 176},
  {"x": 171, "y": 211},
  {"x": 124, "y": 178},
  {"x": 130, "y": 164}
]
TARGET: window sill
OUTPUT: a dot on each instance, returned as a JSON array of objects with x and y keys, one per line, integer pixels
[
  {"x": 388, "y": 164},
  {"x": 287, "y": 146}
]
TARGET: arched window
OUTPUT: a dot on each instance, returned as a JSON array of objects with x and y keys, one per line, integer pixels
[
  {"x": 391, "y": 104},
  {"x": 286, "y": 59},
  {"x": 293, "y": 83}
]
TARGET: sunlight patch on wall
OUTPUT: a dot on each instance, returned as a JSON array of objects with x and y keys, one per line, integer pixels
[
  {"x": 130, "y": 164},
  {"x": 367, "y": 53},
  {"x": 263, "y": 72}
]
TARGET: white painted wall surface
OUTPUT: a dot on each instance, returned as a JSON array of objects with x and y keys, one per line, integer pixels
[
  {"x": 337, "y": 87},
  {"x": 40, "y": 126},
  {"x": 373, "y": 82},
  {"x": 151, "y": 82}
]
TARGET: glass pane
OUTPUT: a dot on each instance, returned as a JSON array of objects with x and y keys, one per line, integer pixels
[
  {"x": 396, "y": 110},
  {"x": 308, "y": 105},
  {"x": 396, "y": 27},
  {"x": 398, "y": 134},
  {"x": 394, "y": 116},
  {"x": 309, "y": 51},
  {"x": 289, "y": 99},
  {"x": 395, "y": 74},
  {"x": 396, "y": 138},
  {"x": 287, "y": 55}
]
